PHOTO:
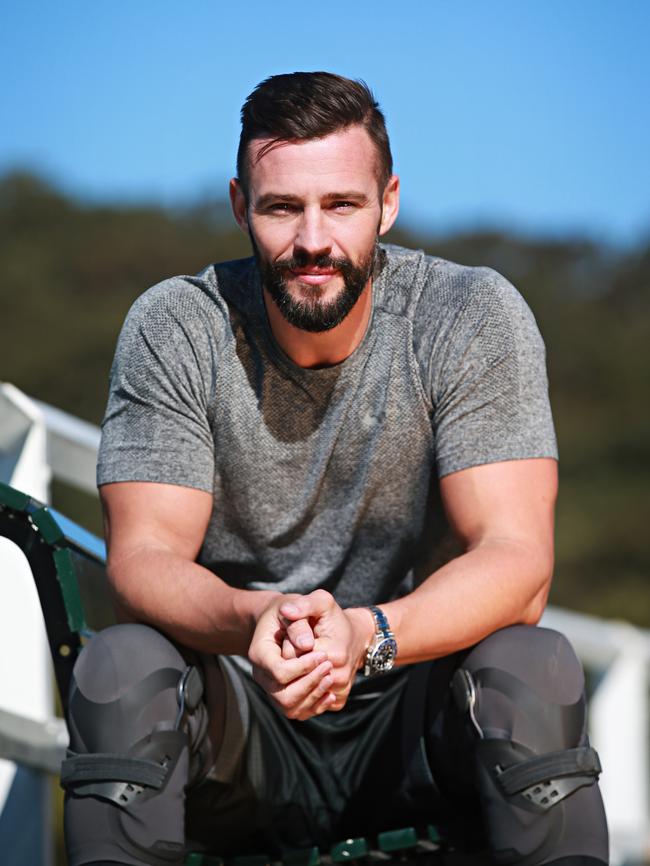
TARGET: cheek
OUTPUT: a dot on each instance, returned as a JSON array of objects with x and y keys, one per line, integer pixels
[
  {"x": 273, "y": 241},
  {"x": 357, "y": 245}
]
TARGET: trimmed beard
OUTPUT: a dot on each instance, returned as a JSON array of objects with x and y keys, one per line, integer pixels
[{"x": 309, "y": 314}]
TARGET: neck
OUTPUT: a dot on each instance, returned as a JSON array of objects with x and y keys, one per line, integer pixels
[{"x": 326, "y": 348}]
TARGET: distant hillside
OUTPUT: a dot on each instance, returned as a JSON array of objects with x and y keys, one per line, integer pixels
[{"x": 69, "y": 272}]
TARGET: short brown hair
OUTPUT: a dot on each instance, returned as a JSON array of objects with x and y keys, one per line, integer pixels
[{"x": 300, "y": 106}]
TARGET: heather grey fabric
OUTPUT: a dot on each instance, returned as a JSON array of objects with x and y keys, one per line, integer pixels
[{"x": 326, "y": 478}]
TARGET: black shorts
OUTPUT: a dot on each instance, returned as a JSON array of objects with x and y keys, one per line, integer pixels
[{"x": 281, "y": 784}]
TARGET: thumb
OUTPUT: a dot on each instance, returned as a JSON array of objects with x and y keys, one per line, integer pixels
[
  {"x": 300, "y": 635},
  {"x": 315, "y": 604}
]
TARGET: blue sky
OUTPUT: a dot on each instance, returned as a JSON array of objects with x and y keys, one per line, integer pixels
[{"x": 530, "y": 115}]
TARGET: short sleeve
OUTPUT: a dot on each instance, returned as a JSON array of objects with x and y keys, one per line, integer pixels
[
  {"x": 157, "y": 426},
  {"x": 489, "y": 383}
]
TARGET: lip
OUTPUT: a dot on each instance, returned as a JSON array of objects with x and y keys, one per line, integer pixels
[{"x": 315, "y": 277}]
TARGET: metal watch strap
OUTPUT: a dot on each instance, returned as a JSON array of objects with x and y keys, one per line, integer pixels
[
  {"x": 380, "y": 620},
  {"x": 381, "y": 653}
]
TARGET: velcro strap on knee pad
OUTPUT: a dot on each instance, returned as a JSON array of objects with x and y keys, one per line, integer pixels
[
  {"x": 583, "y": 761},
  {"x": 123, "y": 778},
  {"x": 544, "y": 780},
  {"x": 78, "y": 769}
]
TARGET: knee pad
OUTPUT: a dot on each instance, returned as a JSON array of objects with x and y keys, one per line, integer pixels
[
  {"x": 526, "y": 708},
  {"x": 131, "y": 698}
]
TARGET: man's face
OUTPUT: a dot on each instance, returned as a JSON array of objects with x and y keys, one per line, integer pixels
[{"x": 314, "y": 212}]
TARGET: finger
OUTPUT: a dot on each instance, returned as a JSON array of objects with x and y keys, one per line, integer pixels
[
  {"x": 325, "y": 703},
  {"x": 339, "y": 701},
  {"x": 320, "y": 706},
  {"x": 288, "y": 649},
  {"x": 283, "y": 671},
  {"x": 322, "y": 694},
  {"x": 292, "y": 697},
  {"x": 340, "y": 691},
  {"x": 301, "y": 635},
  {"x": 315, "y": 604},
  {"x": 272, "y": 679}
]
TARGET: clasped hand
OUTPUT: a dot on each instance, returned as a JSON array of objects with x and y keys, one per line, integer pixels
[{"x": 306, "y": 651}]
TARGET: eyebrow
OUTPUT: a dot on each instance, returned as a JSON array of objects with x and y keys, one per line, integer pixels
[{"x": 270, "y": 197}]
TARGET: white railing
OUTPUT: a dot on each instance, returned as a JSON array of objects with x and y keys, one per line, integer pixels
[{"x": 39, "y": 442}]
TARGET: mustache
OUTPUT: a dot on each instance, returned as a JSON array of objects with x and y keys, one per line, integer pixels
[{"x": 324, "y": 261}]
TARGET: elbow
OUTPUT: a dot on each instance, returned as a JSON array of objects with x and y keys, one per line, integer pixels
[
  {"x": 533, "y": 612},
  {"x": 122, "y": 590},
  {"x": 537, "y": 604},
  {"x": 118, "y": 596}
]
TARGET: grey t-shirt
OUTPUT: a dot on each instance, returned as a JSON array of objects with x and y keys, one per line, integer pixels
[{"x": 328, "y": 477}]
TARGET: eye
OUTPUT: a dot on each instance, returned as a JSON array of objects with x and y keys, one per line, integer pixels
[
  {"x": 342, "y": 206},
  {"x": 279, "y": 208}
]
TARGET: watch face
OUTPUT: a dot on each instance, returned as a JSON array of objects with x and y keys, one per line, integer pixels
[{"x": 384, "y": 655}]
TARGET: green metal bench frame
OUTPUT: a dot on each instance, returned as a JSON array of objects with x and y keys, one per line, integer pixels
[
  {"x": 46, "y": 540},
  {"x": 57, "y": 550}
]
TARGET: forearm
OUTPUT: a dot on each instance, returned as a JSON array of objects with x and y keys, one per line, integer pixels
[
  {"x": 186, "y": 601},
  {"x": 496, "y": 584}
]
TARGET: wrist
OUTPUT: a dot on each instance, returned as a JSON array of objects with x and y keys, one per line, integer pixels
[
  {"x": 250, "y": 604},
  {"x": 363, "y": 628}
]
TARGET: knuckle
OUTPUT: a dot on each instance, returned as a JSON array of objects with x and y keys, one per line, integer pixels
[
  {"x": 312, "y": 664},
  {"x": 323, "y": 596}
]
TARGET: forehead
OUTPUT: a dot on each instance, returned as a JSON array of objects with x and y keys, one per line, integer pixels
[{"x": 343, "y": 160}]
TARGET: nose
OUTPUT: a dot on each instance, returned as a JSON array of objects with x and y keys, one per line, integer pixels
[{"x": 312, "y": 236}]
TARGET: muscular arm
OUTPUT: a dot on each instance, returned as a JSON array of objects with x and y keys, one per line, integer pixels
[
  {"x": 154, "y": 533},
  {"x": 503, "y": 515}
]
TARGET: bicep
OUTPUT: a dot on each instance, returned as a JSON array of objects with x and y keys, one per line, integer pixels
[
  {"x": 157, "y": 426},
  {"x": 511, "y": 501},
  {"x": 489, "y": 387},
  {"x": 167, "y": 517}
]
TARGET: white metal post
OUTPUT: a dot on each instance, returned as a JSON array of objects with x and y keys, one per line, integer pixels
[{"x": 25, "y": 679}]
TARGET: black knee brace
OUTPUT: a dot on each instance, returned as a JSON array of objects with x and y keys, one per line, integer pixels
[
  {"x": 527, "y": 712},
  {"x": 131, "y": 698}
]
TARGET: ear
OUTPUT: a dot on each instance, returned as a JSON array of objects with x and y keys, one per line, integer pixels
[
  {"x": 389, "y": 205},
  {"x": 238, "y": 204}
]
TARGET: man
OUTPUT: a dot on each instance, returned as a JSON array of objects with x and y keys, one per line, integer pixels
[{"x": 288, "y": 441}]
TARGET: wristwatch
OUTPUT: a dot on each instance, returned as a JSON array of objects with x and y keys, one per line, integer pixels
[{"x": 380, "y": 655}]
